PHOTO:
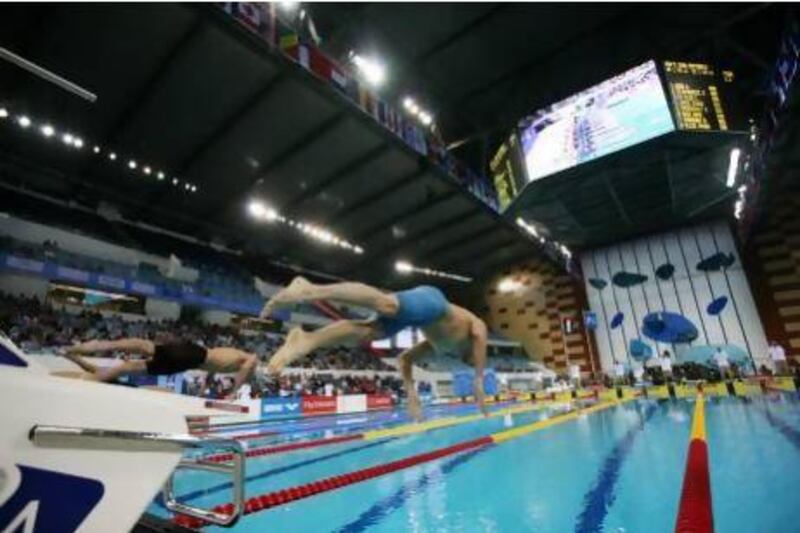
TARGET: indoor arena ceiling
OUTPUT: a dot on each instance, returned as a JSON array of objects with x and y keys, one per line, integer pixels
[{"x": 185, "y": 90}]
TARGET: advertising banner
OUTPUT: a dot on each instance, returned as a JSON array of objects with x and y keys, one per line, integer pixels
[
  {"x": 379, "y": 401},
  {"x": 319, "y": 405},
  {"x": 280, "y": 406}
]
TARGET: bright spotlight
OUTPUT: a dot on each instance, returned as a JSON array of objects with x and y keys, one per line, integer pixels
[
  {"x": 161, "y": 175},
  {"x": 48, "y": 130},
  {"x": 112, "y": 156},
  {"x": 77, "y": 143},
  {"x": 147, "y": 170},
  {"x": 24, "y": 121},
  {"x": 96, "y": 149},
  {"x": 67, "y": 138},
  {"x": 733, "y": 167},
  {"x": 175, "y": 181},
  {"x": 3, "y": 112},
  {"x": 374, "y": 72},
  {"x": 507, "y": 285},
  {"x": 131, "y": 164},
  {"x": 425, "y": 118},
  {"x": 289, "y": 7},
  {"x": 404, "y": 266},
  {"x": 257, "y": 209}
]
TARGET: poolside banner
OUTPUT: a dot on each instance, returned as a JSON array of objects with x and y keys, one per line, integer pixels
[
  {"x": 379, "y": 401},
  {"x": 319, "y": 405},
  {"x": 280, "y": 406}
]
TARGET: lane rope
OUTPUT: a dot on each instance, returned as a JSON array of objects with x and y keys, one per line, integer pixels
[
  {"x": 273, "y": 499},
  {"x": 695, "y": 514}
]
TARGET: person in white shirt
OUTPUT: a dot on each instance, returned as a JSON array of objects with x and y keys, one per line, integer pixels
[
  {"x": 666, "y": 365},
  {"x": 778, "y": 356},
  {"x": 721, "y": 360}
]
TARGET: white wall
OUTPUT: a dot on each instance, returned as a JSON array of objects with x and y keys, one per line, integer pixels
[
  {"x": 74, "y": 242},
  {"x": 162, "y": 309},
  {"x": 217, "y": 317},
  {"x": 688, "y": 292},
  {"x": 24, "y": 285}
]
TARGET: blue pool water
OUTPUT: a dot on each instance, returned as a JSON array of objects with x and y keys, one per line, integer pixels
[{"x": 616, "y": 470}]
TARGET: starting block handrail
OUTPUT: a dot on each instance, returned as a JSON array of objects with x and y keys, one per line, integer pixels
[{"x": 107, "y": 439}]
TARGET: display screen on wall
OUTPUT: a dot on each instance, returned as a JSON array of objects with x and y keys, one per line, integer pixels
[
  {"x": 695, "y": 89},
  {"x": 620, "y": 112},
  {"x": 507, "y": 171}
]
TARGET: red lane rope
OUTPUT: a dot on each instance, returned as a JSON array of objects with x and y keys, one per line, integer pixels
[
  {"x": 694, "y": 513},
  {"x": 281, "y": 497},
  {"x": 269, "y": 450}
]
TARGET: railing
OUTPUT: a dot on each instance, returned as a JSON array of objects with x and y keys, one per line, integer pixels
[{"x": 104, "y": 439}]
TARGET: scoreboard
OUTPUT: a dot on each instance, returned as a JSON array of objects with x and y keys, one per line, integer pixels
[
  {"x": 507, "y": 171},
  {"x": 696, "y": 91}
]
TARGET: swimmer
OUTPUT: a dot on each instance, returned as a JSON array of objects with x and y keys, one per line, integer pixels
[
  {"x": 162, "y": 360},
  {"x": 448, "y": 328}
]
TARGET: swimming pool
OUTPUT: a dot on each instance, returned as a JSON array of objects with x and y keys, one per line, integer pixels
[{"x": 619, "y": 468}]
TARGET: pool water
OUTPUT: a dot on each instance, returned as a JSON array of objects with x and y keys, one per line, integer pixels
[{"x": 617, "y": 470}]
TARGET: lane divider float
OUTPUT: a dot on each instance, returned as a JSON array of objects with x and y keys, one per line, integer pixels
[
  {"x": 274, "y": 499},
  {"x": 695, "y": 514}
]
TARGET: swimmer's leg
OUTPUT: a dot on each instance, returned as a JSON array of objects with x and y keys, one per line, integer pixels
[
  {"x": 127, "y": 368},
  {"x": 300, "y": 343},
  {"x": 81, "y": 362},
  {"x": 133, "y": 346},
  {"x": 348, "y": 292}
]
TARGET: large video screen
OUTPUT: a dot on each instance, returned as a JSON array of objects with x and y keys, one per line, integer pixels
[{"x": 620, "y": 112}]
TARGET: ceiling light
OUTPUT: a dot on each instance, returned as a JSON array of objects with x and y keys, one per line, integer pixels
[
  {"x": 3, "y": 112},
  {"x": 507, "y": 285},
  {"x": 161, "y": 175},
  {"x": 78, "y": 143},
  {"x": 187, "y": 186},
  {"x": 425, "y": 118},
  {"x": 373, "y": 71},
  {"x": 48, "y": 130},
  {"x": 112, "y": 156},
  {"x": 289, "y": 7},
  {"x": 67, "y": 138},
  {"x": 257, "y": 209},
  {"x": 194, "y": 188},
  {"x": 146, "y": 170},
  {"x": 175, "y": 181},
  {"x": 96, "y": 149},
  {"x": 408, "y": 102},
  {"x": 131, "y": 164},
  {"x": 733, "y": 167},
  {"x": 24, "y": 121},
  {"x": 403, "y": 266}
]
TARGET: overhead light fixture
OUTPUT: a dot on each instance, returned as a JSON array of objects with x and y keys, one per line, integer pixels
[
  {"x": 96, "y": 149},
  {"x": 289, "y": 7},
  {"x": 67, "y": 138},
  {"x": 175, "y": 181},
  {"x": 48, "y": 130},
  {"x": 425, "y": 118},
  {"x": 146, "y": 170},
  {"x": 404, "y": 267},
  {"x": 161, "y": 175},
  {"x": 77, "y": 143},
  {"x": 24, "y": 121},
  {"x": 3, "y": 112},
  {"x": 374, "y": 72},
  {"x": 132, "y": 164},
  {"x": 733, "y": 167},
  {"x": 112, "y": 156},
  {"x": 507, "y": 285}
]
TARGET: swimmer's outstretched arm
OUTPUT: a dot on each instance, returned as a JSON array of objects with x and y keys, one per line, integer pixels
[
  {"x": 134, "y": 346},
  {"x": 479, "y": 335},
  {"x": 245, "y": 372},
  {"x": 407, "y": 371}
]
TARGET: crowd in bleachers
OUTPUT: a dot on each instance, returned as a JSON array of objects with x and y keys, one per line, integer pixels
[{"x": 38, "y": 327}]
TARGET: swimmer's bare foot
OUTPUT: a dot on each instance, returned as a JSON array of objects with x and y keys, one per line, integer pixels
[
  {"x": 297, "y": 291},
  {"x": 293, "y": 348}
]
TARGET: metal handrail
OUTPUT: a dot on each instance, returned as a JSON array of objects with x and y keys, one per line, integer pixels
[{"x": 105, "y": 439}]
